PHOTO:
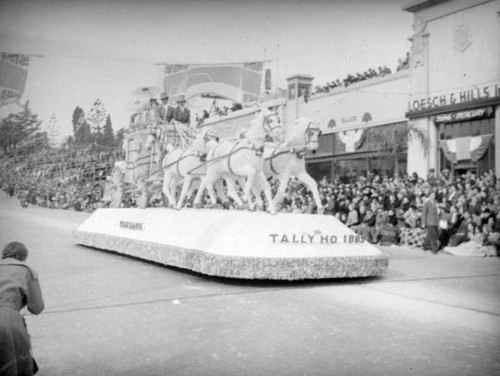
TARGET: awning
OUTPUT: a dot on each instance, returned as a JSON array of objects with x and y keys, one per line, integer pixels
[{"x": 464, "y": 148}]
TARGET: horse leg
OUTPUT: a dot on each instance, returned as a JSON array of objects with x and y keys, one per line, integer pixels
[
  {"x": 219, "y": 190},
  {"x": 185, "y": 188},
  {"x": 248, "y": 189},
  {"x": 313, "y": 187},
  {"x": 211, "y": 193},
  {"x": 232, "y": 191},
  {"x": 261, "y": 179},
  {"x": 166, "y": 187},
  {"x": 278, "y": 199},
  {"x": 256, "y": 191},
  {"x": 173, "y": 190},
  {"x": 195, "y": 184},
  {"x": 201, "y": 191}
]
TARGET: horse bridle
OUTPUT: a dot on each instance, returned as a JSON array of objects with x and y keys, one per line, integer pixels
[
  {"x": 267, "y": 127},
  {"x": 310, "y": 130}
]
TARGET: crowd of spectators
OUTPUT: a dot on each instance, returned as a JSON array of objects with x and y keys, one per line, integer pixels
[
  {"x": 54, "y": 193},
  {"x": 403, "y": 63},
  {"x": 353, "y": 78},
  {"x": 358, "y": 77},
  {"x": 217, "y": 111},
  {"x": 388, "y": 211},
  {"x": 383, "y": 210},
  {"x": 72, "y": 179}
]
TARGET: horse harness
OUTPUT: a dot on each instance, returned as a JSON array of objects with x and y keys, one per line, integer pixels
[
  {"x": 298, "y": 153},
  {"x": 310, "y": 131},
  {"x": 184, "y": 155}
]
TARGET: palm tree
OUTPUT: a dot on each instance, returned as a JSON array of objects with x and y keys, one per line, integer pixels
[{"x": 393, "y": 147}]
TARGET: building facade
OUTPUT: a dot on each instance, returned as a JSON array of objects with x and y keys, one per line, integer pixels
[
  {"x": 454, "y": 81},
  {"x": 449, "y": 93},
  {"x": 364, "y": 128}
]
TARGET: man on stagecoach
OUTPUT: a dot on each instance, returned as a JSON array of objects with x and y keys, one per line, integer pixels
[
  {"x": 166, "y": 109},
  {"x": 181, "y": 112}
]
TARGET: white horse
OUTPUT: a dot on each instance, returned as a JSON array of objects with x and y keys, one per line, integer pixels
[
  {"x": 187, "y": 165},
  {"x": 232, "y": 160},
  {"x": 286, "y": 160}
]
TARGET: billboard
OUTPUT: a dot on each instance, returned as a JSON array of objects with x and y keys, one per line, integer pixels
[{"x": 240, "y": 82}]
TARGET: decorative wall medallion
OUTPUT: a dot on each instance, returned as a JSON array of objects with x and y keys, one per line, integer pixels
[
  {"x": 462, "y": 38},
  {"x": 367, "y": 117},
  {"x": 331, "y": 124},
  {"x": 419, "y": 25}
]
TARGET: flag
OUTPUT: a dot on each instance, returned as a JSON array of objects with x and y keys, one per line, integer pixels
[
  {"x": 13, "y": 76},
  {"x": 465, "y": 148}
]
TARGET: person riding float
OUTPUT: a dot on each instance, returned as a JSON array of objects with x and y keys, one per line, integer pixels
[{"x": 181, "y": 112}]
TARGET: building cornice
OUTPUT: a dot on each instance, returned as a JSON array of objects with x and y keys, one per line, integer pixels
[{"x": 417, "y": 5}]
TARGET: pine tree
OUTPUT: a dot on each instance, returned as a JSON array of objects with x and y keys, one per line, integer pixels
[
  {"x": 81, "y": 128},
  {"x": 53, "y": 132},
  {"x": 68, "y": 142},
  {"x": 18, "y": 127},
  {"x": 108, "y": 137},
  {"x": 97, "y": 118},
  {"x": 120, "y": 136}
]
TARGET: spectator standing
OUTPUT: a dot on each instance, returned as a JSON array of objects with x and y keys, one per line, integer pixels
[
  {"x": 430, "y": 220},
  {"x": 19, "y": 287},
  {"x": 432, "y": 178}
]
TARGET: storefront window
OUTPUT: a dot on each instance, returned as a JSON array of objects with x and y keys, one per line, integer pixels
[
  {"x": 350, "y": 169},
  {"x": 374, "y": 149},
  {"x": 319, "y": 170},
  {"x": 382, "y": 166},
  {"x": 466, "y": 129}
]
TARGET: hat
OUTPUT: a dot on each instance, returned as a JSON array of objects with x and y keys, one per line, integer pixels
[
  {"x": 181, "y": 99},
  {"x": 15, "y": 250},
  {"x": 163, "y": 95}
]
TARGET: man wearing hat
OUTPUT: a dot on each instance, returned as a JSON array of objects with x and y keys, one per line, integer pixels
[
  {"x": 166, "y": 110},
  {"x": 430, "y": 220},
  {"x": 181, "y": 112}
]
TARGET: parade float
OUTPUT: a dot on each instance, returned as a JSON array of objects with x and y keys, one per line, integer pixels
[{"x": 245, "y": 243}]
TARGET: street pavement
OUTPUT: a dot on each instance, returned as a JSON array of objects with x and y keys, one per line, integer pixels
[{"x": 108, "y": 314}]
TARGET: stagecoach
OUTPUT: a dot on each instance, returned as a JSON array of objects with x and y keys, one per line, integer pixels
[
  {"x": 171, "y": 153},
  {"x": 139, "y": 175}
]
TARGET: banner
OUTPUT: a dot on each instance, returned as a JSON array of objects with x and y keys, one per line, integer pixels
[
  {"x": 13, "y": 76},
  {"x": 352, "y": 140},
  {"x": 465, "y": 148}
]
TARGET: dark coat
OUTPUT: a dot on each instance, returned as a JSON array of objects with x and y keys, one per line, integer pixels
[
  {"x": 18, "y": 287},
  {"x": 166, "y": 113},
  {"x": 182, "y": 115},
  {"x": 430, "y": 213}
]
